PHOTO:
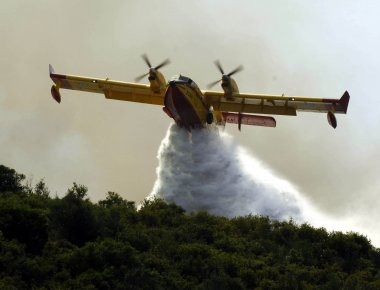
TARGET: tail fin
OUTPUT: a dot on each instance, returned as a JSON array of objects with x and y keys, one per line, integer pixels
[
  {"x": 51, "y": 69},
  {"x": 344, "y": 100}
]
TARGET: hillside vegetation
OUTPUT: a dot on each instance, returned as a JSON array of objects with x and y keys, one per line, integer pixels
[{"x": 72, "y": 243}]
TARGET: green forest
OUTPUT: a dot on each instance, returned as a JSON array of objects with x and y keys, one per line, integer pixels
[{"x": 47, "y": 242}]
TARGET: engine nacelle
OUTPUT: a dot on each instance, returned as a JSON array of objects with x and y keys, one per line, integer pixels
[{"x": 157, "y": 81}]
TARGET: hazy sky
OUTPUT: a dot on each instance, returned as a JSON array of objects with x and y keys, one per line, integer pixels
[{"x": 312, "y": 48}]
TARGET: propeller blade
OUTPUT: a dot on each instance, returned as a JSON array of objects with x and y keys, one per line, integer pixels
[
  {"x": 141, "y": 77},
  {"x": 146, "y": 59},
  {"x": 209, "y": 86},
  {"x": 165, "y": 62},
  {"x": 239, "y": 68},
  {"x": 219, "y": 66}
]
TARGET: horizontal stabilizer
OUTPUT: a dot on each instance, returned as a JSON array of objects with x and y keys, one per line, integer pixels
[{"x": 246, "y": 119}]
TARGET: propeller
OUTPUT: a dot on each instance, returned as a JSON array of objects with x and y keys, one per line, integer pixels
[
  {"x": 152, "y": 70},
  {"x": 225, "y": 77}
]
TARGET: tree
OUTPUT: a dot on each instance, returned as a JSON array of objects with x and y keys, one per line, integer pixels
[
  {"x": 78, "y": 191},
  {"x": 73, "y": 216},
  {"x": 20, "y": 221},
  {"x": 114, "y": 198},
  {"x": 10, "y": 180},
  {"x": 73, "y": 243},
  {"x": 41, "y": 189}
]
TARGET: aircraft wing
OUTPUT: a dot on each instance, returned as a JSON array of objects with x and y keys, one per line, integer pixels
[
  {"x": 275, "y": 104},
  {"x": 111, "y": 89}
]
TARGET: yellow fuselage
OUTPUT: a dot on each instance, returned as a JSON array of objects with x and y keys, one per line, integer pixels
[{"x": 185, "y": 103}]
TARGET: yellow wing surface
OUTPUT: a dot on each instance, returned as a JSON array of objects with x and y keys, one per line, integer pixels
[
  {"x": 111, "y": 89},
  {"x": 275, "y": 104}
]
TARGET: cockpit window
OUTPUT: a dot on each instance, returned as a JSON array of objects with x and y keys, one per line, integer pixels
[
  {"x": 181, "y": 78},
  {"x": 185, "y": 79}
]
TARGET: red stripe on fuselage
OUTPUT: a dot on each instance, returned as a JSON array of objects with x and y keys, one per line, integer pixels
[{"x": 180, "y": 108}]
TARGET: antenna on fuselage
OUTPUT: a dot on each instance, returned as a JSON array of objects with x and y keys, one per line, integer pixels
[{"x": 225, "y": 77}]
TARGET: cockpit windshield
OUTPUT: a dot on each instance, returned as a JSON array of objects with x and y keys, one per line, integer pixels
[{"x": 182, "y": 79}]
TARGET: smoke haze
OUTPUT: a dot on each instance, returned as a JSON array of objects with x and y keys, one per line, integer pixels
[{"x": 296, "y": 47}]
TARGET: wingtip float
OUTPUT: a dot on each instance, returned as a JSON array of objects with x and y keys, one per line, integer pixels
[
  {"x": 343, "y": 106},
  {"x": 191, "y": 107}
]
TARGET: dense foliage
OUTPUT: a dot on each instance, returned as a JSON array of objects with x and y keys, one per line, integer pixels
[{"x": 71, "y": 242}]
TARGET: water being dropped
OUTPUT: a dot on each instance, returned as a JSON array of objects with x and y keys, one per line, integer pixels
[{"x": 207, "y": 170}]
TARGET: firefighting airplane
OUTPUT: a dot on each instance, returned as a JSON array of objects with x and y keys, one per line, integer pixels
[{"x": 191, "y": 107}]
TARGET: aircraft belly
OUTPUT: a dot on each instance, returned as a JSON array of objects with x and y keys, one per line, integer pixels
[{"x": 181, "y": 108}]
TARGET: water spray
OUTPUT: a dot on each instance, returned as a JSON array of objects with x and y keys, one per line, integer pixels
[{"x": 206, "y": 170}]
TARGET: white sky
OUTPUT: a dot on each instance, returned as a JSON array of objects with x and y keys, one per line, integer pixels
[{"x": 312, "y": 48}]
